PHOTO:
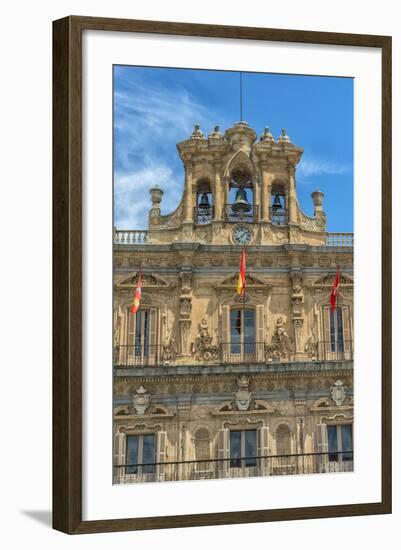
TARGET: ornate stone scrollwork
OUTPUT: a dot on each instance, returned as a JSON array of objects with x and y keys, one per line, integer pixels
[
  {"x": 281, "y": 345},
  {"x": 202, "y": 348}
]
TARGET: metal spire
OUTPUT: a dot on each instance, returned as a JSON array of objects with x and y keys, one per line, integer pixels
[{"x": 240, "y": 95}]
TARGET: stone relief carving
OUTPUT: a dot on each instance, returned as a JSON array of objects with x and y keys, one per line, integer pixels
[
  {"x": 243, "y": 397},
  {"x": 170, "y": 220},
  {"x": 338, "y": 393},
  {"x": 202, "y": 348},
  {"x": 169, "y": 351},
  {"x": 311, "y": 348},
  {"x": 281, "y": 344},
  {"x": 141, "y": 400}
]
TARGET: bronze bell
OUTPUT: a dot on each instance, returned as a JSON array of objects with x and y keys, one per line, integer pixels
[
  {"x": 241, "y": 203},
  {"x": 204, "y": 202},
  {"x": 277, "y": 203}
]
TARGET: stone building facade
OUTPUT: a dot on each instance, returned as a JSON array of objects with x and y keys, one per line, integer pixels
[{"x": 211, "y": 384}]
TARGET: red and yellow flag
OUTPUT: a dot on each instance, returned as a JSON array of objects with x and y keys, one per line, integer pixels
[
  {"x": 334, "y": 290},
  {"x": 137, "y": 295},
  {"x": 241, "y": 274}
]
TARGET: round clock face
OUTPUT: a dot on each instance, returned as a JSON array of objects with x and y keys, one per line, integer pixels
[{"x": 242, "y": 235}]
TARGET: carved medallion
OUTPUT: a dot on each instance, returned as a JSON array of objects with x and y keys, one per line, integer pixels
[{"x": 338, "y": 393}]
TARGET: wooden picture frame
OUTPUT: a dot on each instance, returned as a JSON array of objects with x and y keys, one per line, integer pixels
[{"x": 67, "y": 273}]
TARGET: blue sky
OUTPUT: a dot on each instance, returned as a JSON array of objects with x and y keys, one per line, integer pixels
[{"x": 155, "y": 108}]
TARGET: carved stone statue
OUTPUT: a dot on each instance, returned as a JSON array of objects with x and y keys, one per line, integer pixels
[
  {"x": 281, "y": 343},
  {"x": 202, "y": 348},
  {"x": 169, "y": 351},
  {"x": 311, "y": 348}
]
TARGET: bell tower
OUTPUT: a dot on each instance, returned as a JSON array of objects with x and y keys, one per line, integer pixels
[{"x": 238, "y": 190}]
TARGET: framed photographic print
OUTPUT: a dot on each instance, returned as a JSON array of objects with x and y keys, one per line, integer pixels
[{"x": 222, "y": 275}]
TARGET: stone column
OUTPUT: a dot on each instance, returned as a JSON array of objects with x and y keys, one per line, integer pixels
[
  {"x": 189, "y": 212},
  {"x": 217, "y": 199},
  {"x": 156, "y": 195},
  {"x": 292, "y": 206},
  {"x": 257, "y": 197},
  {"x": 267, "y": 178}
]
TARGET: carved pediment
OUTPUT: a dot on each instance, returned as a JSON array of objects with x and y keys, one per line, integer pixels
[
  {"x": 229, "y": 408},
  {"x": 252, "y": 281},
  {"x": 324, "y": 404},
  {"x": 149, "y": 280},
  {"x": 327, "y": 281}
]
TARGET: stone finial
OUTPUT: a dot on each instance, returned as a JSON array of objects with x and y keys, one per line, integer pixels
[
  {"x": 267, "y": 135},
  {"x": 284, "y": 136},
  {"x": 317, "y": 197},
  {"x": 156, "y": 194},
  {"x": 197, "y": 133},
  {"x": 216, "y": 134}
]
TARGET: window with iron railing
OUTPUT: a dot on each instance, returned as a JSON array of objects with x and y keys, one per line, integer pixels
[
  {"x": 339, "y": 439},
  {"x": 141, "y": 454},
  {"x": 337, "y": 333},
  {"x": 243, "y": 448},
  {"x": 141, "y": 346},
  {"x": 242, "y": 331}
]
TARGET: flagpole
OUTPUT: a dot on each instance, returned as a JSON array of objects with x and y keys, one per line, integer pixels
[{"x": 244, "y": 250}]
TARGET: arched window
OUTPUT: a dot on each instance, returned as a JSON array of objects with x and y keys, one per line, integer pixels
[
  {"x": 337, "y": 341},
  {"x": 240, "y": 196},
  {"x": 202, "y": 444},
  {"x": 283, "y": 440},
  {"x": 278, "y": 207},
  {"x": 141, "y": 347},
  {"x": 242, "y": 333},
  {"x": 204, "y": 202}
]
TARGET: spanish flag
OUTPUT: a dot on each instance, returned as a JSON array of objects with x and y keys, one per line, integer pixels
[
  {"x": 137, "y": 295},
  {"x": 241, "y": 274},
  {"x": 334, "y": 290}
]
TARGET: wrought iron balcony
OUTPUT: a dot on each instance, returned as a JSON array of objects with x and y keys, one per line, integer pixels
[
  {"x": 233, "y": 215},
  {"x": 203, "y": 215},
  {"x": 245, "y": 353},
  {"x": 139, "y": 355},
  {"x": 254, "y": 466},
  {"x": 279, "y": 217},
  {"x": 335, "y": 350}
]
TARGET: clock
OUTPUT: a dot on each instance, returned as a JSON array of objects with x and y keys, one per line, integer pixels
[{"x": 242, "y": 235}]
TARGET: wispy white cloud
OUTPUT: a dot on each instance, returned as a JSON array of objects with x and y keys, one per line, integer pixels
[
  {"x": 148, "y": 123},
  {"x": 319, "y": 167},
  {"x": 131, "y": 194}
]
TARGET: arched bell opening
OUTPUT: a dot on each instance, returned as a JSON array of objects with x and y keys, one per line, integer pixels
[
  {"x": 204, "y": 202},
  {"x": 279, "y": 206},
  {"x": 241, "y": 204}
]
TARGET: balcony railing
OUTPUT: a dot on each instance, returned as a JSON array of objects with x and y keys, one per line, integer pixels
[
  {"x": 255, "y": 466},
  {"x": 232, "y": 215},
  {"x": 128, "y": 236},
  {"x": 244, "y": 353},
  {"x": 339, "y": 239},
  {"x": 340, "y": 350},
  {"x": 279, "y": 217},
  {"x": 203, "y": 216},
  {"x": 140, "y": 355}
]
